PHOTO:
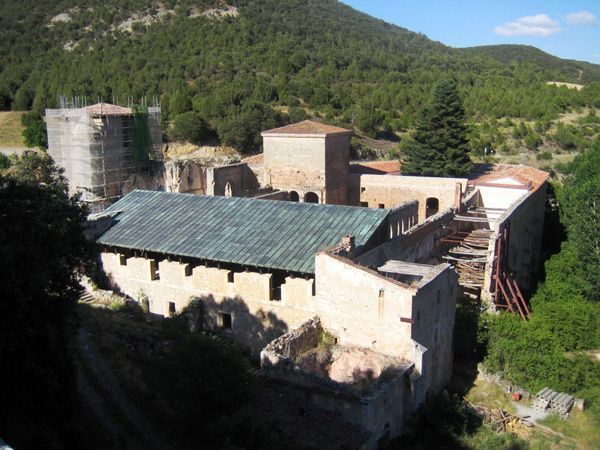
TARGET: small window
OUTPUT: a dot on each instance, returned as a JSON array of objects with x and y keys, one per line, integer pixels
[
  {"x": 188, "y": 270},
  {"x": 154, "y": 272},
  {"x": 172, "y": 309},
  {"x": 230, "y": 277},
  {"x": 432, "y": 206},
  {"x": 226, "y": 321},
  {"x": 364, "y": 204},
  {"x": 122, "y": 260},
  {"x": 380, "y": 205},
  {"x": 294, "y": 197},
  {"x": 363, "y": 189}
]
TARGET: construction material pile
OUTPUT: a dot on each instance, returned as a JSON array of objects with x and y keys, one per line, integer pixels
[{"x": 556, "y": 402}]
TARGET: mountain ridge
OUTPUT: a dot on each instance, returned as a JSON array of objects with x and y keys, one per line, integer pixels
[{"x": 239, "y": 70}]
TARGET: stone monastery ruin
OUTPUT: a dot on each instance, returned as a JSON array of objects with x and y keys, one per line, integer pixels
[{"x": 342, "y": 277}]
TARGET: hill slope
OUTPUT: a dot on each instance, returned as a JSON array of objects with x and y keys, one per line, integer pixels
[
  {"x": 569, "y": 70},
  {"x": 233, "y": 63}
]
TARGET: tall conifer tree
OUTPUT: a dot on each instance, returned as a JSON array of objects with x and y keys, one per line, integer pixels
[{"x": 439, "y": 146}]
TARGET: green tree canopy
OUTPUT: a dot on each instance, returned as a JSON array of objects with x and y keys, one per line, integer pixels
[
  {"x": 190, "y": 126},
  {"x": 440, "y": 144},
  {"x": 34, "y": 134},
  {"x": 41, "y": 245}
]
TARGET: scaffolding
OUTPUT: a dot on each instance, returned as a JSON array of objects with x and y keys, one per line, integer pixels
[{"x": 101, "y": 146}]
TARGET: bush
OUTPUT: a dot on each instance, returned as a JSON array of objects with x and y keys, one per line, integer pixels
[
  {"x": 544, "y": 156},
  {"x": 297, "y": 115}
]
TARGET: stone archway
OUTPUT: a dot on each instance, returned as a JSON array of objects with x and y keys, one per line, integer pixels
[
  {"x": 311, "y": 197},
  {"x": 294, "y": 197}
]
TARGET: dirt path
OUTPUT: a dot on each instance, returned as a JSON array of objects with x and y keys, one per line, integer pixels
[{"x": 104, "y": 396}]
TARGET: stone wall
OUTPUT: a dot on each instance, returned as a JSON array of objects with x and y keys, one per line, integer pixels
[
  {"x": 291, "y": 163},
  {"x": 402, "y": 217},
  {"x": 246, "y": 297},
  {"x": 381, "y": 409},
  {"x": 525, "y": 223},
  {"x": 305, "y": 164},
  {"x": 433, "y": 316},
  {"x": 418, "y": 244},
  {"x": 390, "y": 190},
  {"x": 185, "y": 176}
]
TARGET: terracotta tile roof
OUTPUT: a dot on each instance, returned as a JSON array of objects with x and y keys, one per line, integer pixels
[
  {"x": 528, "y": 177},
  {"x": 106, "y": 109},
  {"x": 254, "y": 159},
  {"x": 306, "y": 127},
  {"x": 376, "y": 167}
]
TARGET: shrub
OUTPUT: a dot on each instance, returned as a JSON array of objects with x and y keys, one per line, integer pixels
[{"x": 544, "y": 156}]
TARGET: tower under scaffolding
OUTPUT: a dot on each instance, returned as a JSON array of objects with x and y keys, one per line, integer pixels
[{"x": 101, "y": 146}]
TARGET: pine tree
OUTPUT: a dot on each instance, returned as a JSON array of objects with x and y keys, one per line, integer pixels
[{"x": 440, "y": 145}]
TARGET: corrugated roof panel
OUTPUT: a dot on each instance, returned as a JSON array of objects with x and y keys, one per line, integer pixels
[{"x": 263, "y": 233}]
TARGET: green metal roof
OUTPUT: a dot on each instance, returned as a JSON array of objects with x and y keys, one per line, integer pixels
[{"x": 261, "y": 233}]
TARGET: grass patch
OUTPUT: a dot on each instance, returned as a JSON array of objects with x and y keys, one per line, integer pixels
[
  {"x": 580, "y": 426},
  {"x": 11, "y": 130},
  {"x": 490, "y": 395}
]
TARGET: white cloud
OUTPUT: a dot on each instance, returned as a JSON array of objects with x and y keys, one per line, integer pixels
[
  {"x": 581, "y": 18},
  {"x": 538, "y": 25}
]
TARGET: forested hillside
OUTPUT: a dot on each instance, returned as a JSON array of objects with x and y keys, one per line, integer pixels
[
  {"x": 568, "y": 70},
  {"x": 249, "y": 65}
]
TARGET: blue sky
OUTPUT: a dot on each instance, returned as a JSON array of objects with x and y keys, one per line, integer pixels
[{"x": 566, "y": 28}]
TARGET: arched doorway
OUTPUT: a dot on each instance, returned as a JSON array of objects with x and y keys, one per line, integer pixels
[
  {"x": 432, "y": 206},
  {"x": 311, "y": 197},
  {"x": 294, "y": 197},
  {"x": 229, "y": 189}
]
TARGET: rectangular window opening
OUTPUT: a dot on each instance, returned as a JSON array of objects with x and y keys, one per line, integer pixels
[
  {"x": 154, "y": 272},
  {"x": 364, "y": 204},
  {"x": 172, "y": 309},
  {"x": 380, "y": 205},
  {"x": 230, "y": 277},
  {"x": 276, "y": 292},
  {"x": 226, "y": 321},
  {"x": 122, "y": 260}
]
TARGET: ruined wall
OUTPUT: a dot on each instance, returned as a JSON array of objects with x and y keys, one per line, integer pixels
[
  {"x": 525, "y": 223},
  {"x": 363, "y": 308},
  {"x": 245, "y": 296},
  {"x": 402, "y": 217},
  {"x": 433, "y": 315},
  {"x": 418, "y": 244},
  {"x": 381, "y": 408},
  {"x": 185, "y": 176},
  {"x": 391, "y": 190}
]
